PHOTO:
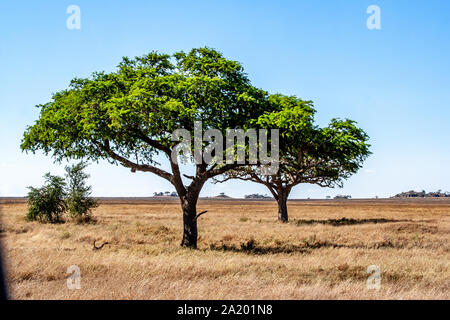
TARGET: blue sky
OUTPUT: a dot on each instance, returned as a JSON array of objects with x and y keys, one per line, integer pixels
[{"x": 395, "y": 82}]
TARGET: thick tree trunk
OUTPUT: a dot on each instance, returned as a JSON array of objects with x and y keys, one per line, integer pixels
[
  {"x": 189, "y": 208},
  {"x": 282, "y": 210},
  {"x": 282, "y": 206},
  {"x": 189, "y": 224}
]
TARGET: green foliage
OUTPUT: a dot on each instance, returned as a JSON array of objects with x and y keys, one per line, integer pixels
[
  {"x": 79, "y": 202},
  {"x": 51, "y": 201},
  {"x": 133, "y": 111},
  {"x": 47, "y": 204},
  {"x": 309, "y": 153}
]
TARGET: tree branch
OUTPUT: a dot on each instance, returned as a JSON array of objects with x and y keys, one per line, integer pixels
[
  {"x": 153, "y": 143},
  {"x": 134, "y": 166},
  {"x": 215, "y": 172},
  {"x": 198, "y": 215}
]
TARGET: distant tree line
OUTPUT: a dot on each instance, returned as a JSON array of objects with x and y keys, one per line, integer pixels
[
  {"x": 165, "y": 194},
  {"x": 257, "y": 196},
  {"x": 422, "y": 194},
  {"x": 340, "y": 196}
]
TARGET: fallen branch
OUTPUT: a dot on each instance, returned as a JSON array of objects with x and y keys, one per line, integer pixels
[{"x": 98, "y": 248}]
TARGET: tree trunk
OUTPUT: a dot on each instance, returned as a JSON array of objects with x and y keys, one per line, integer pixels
[
  {"x": 189, "y": 207},
  {"x": 189, "y": 225},
  {"x": 282, "y": 207}
]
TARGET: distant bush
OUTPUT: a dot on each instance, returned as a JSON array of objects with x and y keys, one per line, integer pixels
[
  {"x": 47, "y": 204},
  {"x": 79, "y": 201}
]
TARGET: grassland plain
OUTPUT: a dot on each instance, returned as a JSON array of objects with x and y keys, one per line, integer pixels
[{"x": 244, "y": 253}]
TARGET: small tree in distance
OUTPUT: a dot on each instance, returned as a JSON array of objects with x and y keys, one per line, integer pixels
[
  {"x": 79, "y": 201},
  {"x": 47, "y": 204}
]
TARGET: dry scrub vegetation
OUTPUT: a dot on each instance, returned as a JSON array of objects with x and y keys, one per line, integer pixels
[{"x": 244, "y": 253}]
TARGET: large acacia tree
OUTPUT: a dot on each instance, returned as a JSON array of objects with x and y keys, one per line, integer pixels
[
  {"x": 128, "y": 117},
  {"x": 308, "y": 153}
]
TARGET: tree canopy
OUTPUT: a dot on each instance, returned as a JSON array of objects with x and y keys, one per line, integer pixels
[
  {"x": 128, "y": 116},
  {"x": 131, "y": 113}
]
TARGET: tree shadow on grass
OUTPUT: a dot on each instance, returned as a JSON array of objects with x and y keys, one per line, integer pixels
[
  {"x": 252, "y": 247},
  {"x": 345, "y": 221}
]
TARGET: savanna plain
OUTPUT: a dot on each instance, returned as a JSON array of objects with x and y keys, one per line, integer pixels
[{"x": 243, "y": 252}]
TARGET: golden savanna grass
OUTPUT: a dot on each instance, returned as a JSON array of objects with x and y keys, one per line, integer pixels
[{"x": 244, "y": 253}]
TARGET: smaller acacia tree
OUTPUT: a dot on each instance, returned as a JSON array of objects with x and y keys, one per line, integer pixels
[
  {"x": 79, "y": 200},
  {"x": 308, "y": 154},
  {"x": 47, "y": 204}
]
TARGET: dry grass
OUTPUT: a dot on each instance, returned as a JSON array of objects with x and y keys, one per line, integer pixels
[{"x": 243, "y": 252}]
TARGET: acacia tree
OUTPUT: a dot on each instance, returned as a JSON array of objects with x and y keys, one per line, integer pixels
[
  {"x": 128, "y": 117},
  {"x": 308, "y": 154}
]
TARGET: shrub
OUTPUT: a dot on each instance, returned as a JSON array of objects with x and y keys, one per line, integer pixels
[
  {"x": 47, "y": 204},
  {"x": 79, "y": 202}
]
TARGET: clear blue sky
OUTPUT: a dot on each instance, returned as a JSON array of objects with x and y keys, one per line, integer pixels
[{"x": 395, "y": 82}]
